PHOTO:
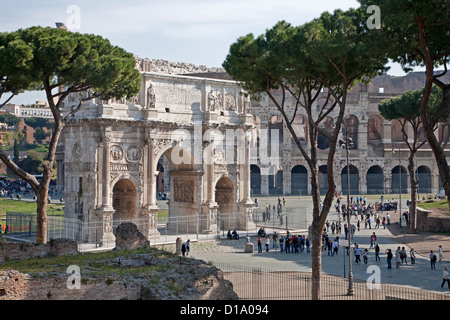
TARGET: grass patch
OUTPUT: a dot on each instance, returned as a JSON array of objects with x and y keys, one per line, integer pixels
[
  {"x": 89, "y": 263},
  {"x": 28, "y": 207},
  {"x": 432, "y": 204}
]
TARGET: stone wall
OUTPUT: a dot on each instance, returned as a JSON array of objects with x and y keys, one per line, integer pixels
[
  {"x": 18, "y": 286},
  {"x": 428, "y": 223},
  {"x": 20, "y": 251}
]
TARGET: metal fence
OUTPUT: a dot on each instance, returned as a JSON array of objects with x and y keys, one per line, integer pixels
[
  {"x": 89, "y": 234},
  {"x": 251, "y": 283}
]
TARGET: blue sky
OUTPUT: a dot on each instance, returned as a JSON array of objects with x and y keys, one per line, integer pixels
[{"x": 193, "y": 31}]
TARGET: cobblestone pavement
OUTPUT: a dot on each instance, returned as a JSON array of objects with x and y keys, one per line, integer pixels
[{"x": 231, "y": 252}]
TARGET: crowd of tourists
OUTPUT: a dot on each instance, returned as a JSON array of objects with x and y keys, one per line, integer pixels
[{"x": 289, "y": 243}]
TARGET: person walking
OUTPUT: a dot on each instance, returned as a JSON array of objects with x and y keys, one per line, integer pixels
[
  {"x": 412, "y": 256},
  {"x": 335, "y": 246},
  {"x": 389, "y": 257},
  {"x": 445, "y": 278},
  {"x": 365, "y": 255},
  {"x": 330, "y": 248},
  {"x": 259, "y": 244},
  {"x": 433, "y": 259},
  {"x": 357, "y": 253},
  {"x": 377, "y": 253},
  {"x": 441, "y": 253},
  {"x": 373, "y": 239}
]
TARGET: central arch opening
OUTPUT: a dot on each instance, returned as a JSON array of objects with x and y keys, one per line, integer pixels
[
  {"x": 225, "y": 195},
  {"x": 124, "y": 200}
]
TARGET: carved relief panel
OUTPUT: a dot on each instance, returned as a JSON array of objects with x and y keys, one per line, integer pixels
[{"x": 183, "y": 190}]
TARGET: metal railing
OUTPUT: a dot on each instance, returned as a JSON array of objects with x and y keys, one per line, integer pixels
[
  {"x": 90, "y": 234},
  {"x": 252, "y": 283}
]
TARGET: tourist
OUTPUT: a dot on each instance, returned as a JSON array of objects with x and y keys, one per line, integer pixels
[
  {"x": 302, "y": 243},
  {"x": 433, "y": 259},
  {"x": 441, "y": 253},
  {"x": 404, "y": 256},
  {"x": 261, "y": 232},
  {"x": 398, "y": 260},
  {"x": 183, "y": 248},
  {"x": 287, "y": 244},
  {"x": 388, "y": 218},
  {"x": 377, "y": 253},
  {"x": 188, "y": 246},
  {"x": 357, "y": 253},
  {"x": 372, "y": 240},
  {"x": 235, "y": 235},
  {"x": 275, "y": 244},
  {"x": 365, "y": 255},
  {"x": 445, "y": 278},
  {"x": 384, "y": 223},
  {"x": 259, "y": 244},
  {"x": 295, "y": 243},
  {"x": 267, "y": 243},
  {"x": 389, "y": 256},
  {"x": 229, "y": 234},
  {"x": 335, "y": 246},
  {"x": 281, "y": 244},
  {"x": 308, "y": 245},
  {"x": 330, "y": 248},
  {"x": 412, "y": 256},
  {"x": 275, "y": 239}
]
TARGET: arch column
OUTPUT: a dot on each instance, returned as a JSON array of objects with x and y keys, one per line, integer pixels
[
  {"x": 105, "y": 212},
  {"x": 246, "y": 205},
  {"x": 149, "y": 210}
]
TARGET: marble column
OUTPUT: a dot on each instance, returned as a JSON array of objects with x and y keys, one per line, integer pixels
[
  {"x": 105, "y": 212},
  {"x": 150, "y": 207}
]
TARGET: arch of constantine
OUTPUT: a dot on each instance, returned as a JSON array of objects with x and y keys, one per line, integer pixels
[{"x": 111, "y": 152}]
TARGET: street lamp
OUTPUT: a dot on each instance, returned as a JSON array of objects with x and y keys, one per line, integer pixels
[{"x": 347, "y": 144}]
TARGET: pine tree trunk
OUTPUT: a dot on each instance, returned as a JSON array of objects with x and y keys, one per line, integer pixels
[
  {"x": 413, "y": 185},
  {"x": 41, "y": 236}
]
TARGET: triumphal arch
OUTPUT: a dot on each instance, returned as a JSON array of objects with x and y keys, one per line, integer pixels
[{"x": 200, "y": 126}]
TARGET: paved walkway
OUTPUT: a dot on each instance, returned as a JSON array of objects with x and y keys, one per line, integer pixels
[{"x": 231, "y": 252}]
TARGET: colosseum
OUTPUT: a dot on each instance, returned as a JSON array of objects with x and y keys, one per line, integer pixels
[{"x": 377, "y": 160}]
